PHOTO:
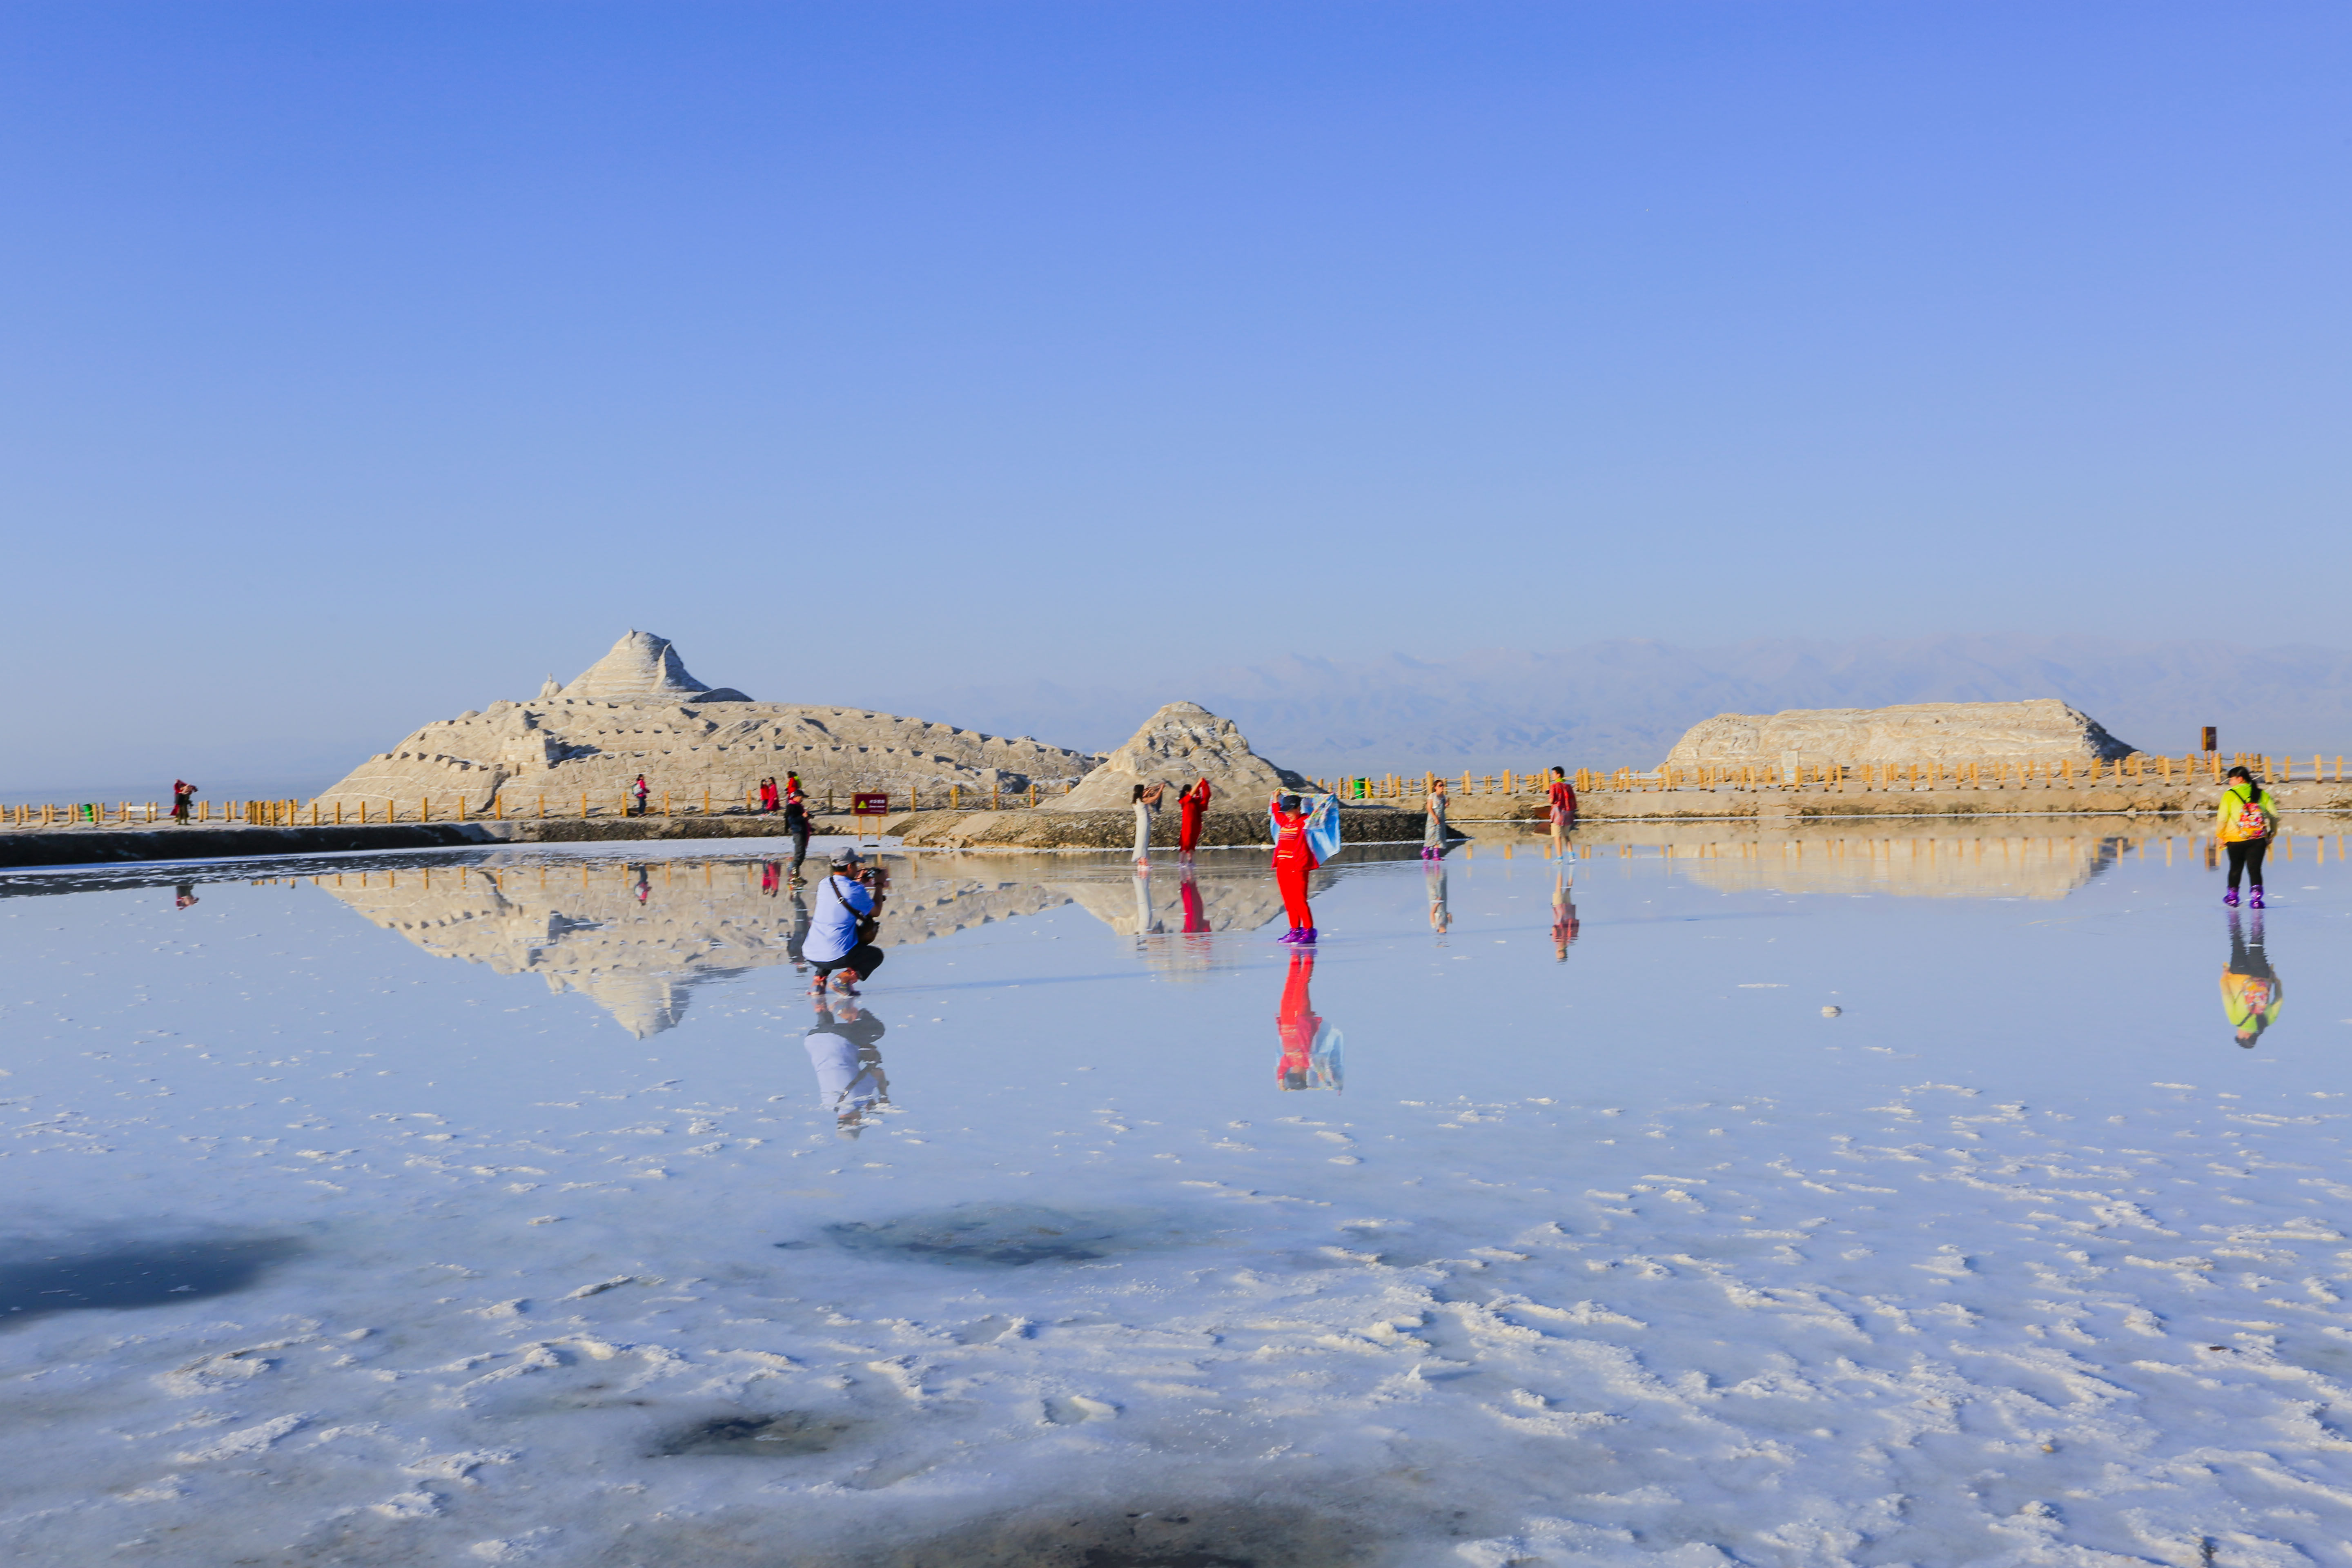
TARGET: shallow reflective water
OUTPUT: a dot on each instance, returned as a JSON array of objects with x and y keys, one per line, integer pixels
[{"x": 521, "y": 1206}]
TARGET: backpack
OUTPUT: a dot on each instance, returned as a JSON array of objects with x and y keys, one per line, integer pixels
[{"x": 2251, "y": 822}]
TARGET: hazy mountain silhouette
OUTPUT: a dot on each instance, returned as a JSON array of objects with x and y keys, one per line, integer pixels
[{"x": 1624, "y": 704}]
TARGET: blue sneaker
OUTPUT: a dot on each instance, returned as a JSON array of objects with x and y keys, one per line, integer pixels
[{"x": 2231, "y": 898}]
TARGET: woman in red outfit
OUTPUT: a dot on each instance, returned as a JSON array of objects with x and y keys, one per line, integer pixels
[
  {"x": 1292, "y": 858},
  {"x": 1196, "y": 801}
]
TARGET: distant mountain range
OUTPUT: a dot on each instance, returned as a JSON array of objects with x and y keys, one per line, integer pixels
[{"x": 1624, "y": 704}]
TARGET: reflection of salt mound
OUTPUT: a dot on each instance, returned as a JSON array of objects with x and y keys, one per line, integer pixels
[
  {"x": 1142, "y": 906},
  {"x": 586, "y": 929},
  {"x": 1976, "y": 867},
  {"x": 636, "y": 939},
  {"x": 644, "y": 1004}
]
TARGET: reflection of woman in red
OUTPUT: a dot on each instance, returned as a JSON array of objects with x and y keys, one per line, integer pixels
[
  {"x": 1196, "y": 918},
  {"x": 1297, "y": 1024},
  {"x": 1196, "y": 801},
  {"x": 1292, "y": 858},
  {"x": 1564, "y": 923}
]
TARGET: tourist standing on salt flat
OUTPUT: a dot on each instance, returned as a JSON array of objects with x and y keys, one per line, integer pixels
[
  {"x": 796, "y": 822},
  {"x": 1292, "y": 858},
  {"x": 183, "y": 797},
  {"x": 1562, "y": 799},
  {"x": 1433, "y": 829},
  {"x": 1195, "y": 803},
  {"x": 640, "y": 789},
  {"x": 2245, "y": 821},
  {"x": 1147, "y": 802}
]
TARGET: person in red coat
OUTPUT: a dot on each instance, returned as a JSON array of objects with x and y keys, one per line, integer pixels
[
  {"x": 1297, "y": 1023},
  {"x": 1195, "y": 802},
  {"x": 1562, "y": 799},
  {"x": 1292, "y": 858}
]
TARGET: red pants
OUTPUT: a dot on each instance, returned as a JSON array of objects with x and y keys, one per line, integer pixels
[{"x": 1290, "y": 875}]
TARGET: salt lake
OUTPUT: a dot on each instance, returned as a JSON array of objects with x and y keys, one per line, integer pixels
[{"x": 1841, "y": 1197}]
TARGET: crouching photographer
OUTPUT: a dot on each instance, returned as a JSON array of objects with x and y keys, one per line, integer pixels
[{"x": 840, "y": 942}]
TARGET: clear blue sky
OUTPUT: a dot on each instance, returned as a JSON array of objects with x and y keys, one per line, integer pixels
[{"x": 361, "y": 363}]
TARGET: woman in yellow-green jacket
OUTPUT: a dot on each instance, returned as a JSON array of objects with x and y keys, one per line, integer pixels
[{"x": 2245, "y": 822}]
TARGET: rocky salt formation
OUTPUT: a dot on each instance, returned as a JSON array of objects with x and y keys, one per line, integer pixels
[
  {"x": 639, "y": 710},
  {"x": 1180, "y": 743},
  {"x": 2043, "y": 730}
]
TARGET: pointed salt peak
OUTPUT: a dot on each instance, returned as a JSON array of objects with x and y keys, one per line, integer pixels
[{"x": 641, "y": 667}]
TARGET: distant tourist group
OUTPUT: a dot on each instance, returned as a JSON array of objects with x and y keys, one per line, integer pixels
[{"x": 793, "y": 801}]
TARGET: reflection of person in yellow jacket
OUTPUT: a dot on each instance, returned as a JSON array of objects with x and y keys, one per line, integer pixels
[
  {"x": 2251, "y": 993},
  {"x": 2245, "y": 822}
]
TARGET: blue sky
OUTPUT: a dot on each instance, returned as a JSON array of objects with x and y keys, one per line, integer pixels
[{"x": 361, "y": 363}]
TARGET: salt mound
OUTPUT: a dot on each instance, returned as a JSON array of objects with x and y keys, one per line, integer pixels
[
  {"x": 639, "y": 710},
  {"x": 1180, "y": 743},
  {"x": 2042, "y": 730}
]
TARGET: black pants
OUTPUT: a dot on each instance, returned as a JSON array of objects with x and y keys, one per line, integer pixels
[
  {"x": 861, "y": 961},
  {"x": 800, "y": 844},
  {"x": 2246, "y": 856},
  {"x": 2249, "y": 959}
]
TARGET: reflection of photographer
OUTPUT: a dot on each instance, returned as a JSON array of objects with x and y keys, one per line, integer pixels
[
  {"x": 840, "y": 942},
  {"x": 844, "y": 1047}
]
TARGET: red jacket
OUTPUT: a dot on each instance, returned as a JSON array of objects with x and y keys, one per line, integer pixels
[{"x": 1290, "y": 845}]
